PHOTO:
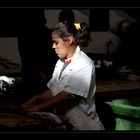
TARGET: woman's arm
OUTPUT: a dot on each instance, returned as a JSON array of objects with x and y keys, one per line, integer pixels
[
  {"x": 60, "y": 103},
  {"x": 46, "y": 95},
  {"x": 32, "y": 103},
  {"x": 47, "y": 102}
]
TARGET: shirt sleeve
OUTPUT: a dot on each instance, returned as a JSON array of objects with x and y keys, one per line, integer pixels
[{"x": 79, "y": 81}]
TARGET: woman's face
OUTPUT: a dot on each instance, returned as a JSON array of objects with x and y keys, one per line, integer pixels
[{"x": 61, "y": 46}]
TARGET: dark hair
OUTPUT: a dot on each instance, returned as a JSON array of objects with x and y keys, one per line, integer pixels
[{"x": 66, "y": 29}]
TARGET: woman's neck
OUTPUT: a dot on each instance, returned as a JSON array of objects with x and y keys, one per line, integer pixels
[{"x": 71, "y": 52}]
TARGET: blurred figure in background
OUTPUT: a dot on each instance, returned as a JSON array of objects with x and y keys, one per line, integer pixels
[{"x": 38, "y": 59}]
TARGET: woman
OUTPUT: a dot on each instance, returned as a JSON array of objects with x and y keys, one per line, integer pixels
[{"x": 72, "y": 86}]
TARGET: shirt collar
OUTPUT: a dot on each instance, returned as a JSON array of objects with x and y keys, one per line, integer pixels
[
  {"x": 75, "y": 56},
  {"x": 77, "y": 53}
]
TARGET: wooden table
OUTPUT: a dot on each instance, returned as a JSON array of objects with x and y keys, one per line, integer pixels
[{"x": 117, "y": 88}]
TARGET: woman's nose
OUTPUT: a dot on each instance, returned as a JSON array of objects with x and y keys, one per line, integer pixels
[{"x": 53, "y": 46}]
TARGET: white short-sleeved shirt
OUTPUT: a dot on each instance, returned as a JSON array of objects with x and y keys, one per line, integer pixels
[{"x": 78, "y": 78}]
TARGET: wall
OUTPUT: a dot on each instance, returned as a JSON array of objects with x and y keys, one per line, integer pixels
[
  {"x": 99, "y": 42},
  {"x": 10, "y": 61},
  {"x": 52, "y": 17},
  {"x": 9, "y": 48},
  {"x": 116, "y": 16},
  {"x": 99, "y": 39}
]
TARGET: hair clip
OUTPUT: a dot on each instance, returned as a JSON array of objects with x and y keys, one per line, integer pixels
[{"x": 77, "y": 25}]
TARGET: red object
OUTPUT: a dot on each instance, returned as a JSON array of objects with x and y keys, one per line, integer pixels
[{"x": 67, "y": 61}]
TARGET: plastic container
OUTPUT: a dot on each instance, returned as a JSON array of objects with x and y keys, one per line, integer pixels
[{"x": 127, "y": 113}]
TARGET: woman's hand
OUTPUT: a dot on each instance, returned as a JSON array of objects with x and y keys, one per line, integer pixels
[
  {"x": 30, "y": 105},
  {"x": 29, "y": 108}
]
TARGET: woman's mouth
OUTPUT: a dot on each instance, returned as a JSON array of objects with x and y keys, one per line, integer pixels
[{"x": 56, "y": 51}]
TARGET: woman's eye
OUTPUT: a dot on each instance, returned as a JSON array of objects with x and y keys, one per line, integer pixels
[{"x": 55, "y": 42}]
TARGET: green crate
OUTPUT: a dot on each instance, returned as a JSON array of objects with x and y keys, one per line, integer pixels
[
  {"x": 127, "y": 113},
  {"x": 124, "y": 124}
]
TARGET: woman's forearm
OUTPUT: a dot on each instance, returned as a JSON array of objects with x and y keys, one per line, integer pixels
[
  {"x": 56, "y": 101},
  {"x": 46, "y": 95}
]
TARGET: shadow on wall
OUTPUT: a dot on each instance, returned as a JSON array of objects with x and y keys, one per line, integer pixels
[{"x": 66, "y": 14}]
